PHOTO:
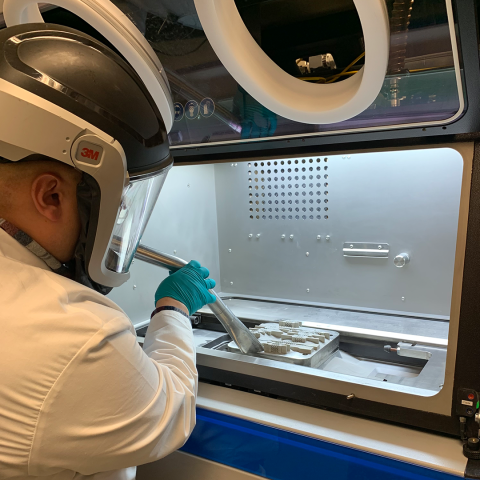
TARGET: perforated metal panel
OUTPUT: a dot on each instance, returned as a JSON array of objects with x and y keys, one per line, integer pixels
[
  {"x": 406, "y": 199},
  {"x": 295, "y": 189}
]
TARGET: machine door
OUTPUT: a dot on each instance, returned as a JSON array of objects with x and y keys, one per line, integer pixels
[{"x": 244, "y": 70}]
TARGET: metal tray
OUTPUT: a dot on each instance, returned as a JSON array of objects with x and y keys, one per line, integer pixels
[{"x": 288, "y": 341}]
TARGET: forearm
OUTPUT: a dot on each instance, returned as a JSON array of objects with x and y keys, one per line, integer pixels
[{"x": 169, "y": 341}]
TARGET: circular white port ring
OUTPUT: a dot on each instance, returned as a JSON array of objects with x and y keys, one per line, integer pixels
[
  {"x": 110, "y": 21},
  {"x": 284, "y": 94}
]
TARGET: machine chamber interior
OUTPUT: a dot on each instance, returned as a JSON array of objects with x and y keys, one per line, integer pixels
[{"x": 364, "y": 250}]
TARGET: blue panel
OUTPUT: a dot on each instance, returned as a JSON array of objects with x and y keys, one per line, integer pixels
[{"x": 280, "y": 455}]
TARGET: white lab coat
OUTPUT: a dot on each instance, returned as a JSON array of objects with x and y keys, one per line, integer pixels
[{"x": 78, "y": 396}]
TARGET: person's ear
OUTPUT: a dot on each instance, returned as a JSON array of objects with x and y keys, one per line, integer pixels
[{"x": 48, "y": 196}]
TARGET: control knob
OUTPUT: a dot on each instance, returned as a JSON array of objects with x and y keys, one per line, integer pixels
[
  {"x": 473, "y": 444},
  {"x": 401, "y": 260}
]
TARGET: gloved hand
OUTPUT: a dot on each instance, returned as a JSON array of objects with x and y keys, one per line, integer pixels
[{"x": 189, "y": 285}]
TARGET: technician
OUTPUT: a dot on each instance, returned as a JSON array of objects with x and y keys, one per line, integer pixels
[{"x": 84, "y": 154}]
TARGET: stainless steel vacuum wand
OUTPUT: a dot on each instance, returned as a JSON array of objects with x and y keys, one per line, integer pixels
[{"x": 240, "y": 334}]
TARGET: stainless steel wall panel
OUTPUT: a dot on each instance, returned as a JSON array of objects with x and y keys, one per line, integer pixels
[{"x": 408, "y": 199}]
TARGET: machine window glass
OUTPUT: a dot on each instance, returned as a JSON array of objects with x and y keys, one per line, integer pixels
[{"x": 317, "y": 42}]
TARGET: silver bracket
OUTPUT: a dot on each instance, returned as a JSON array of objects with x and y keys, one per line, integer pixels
[{"x": 367, "y": 250}]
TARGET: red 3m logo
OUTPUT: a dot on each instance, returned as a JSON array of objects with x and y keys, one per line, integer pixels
[{"x": 89, "y": 153}]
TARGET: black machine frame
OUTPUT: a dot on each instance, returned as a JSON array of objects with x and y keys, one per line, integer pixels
[
  {"x": 465, "y": 128},
  {"x": 466, "y": 376}
]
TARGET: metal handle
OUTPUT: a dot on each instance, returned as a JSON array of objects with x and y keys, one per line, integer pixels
[
  {"x": 366, "y": 250},
  {"x": 241, "y": 335}
]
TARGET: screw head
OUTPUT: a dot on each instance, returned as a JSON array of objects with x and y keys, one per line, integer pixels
[
  {"x": 380, "y": 247},
  {"x": 174, "y": 251},
  {"x": 229, "y": 250},
  {"x": 282, "y": 236},
  {"x": 351, "y": 246},
  {"x": 343, "y": 156},
  {"x": 307, "y": 254},
  {"x": 291, "y": 237},
  {"x": 319, "y": 237},
  {"x": 258, "y": 235},
  {"x": 231, "y": 283},
  {"x": 403, "y": 299},
  {"x": 327, "y": 237},
  {"x": 348, "y": 156},
  {"x": 308, "y": 290},
  {"x": 250, "y": 235},
  {"x": 134, "y": 287}
]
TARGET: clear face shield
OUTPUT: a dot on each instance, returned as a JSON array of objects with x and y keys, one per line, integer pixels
[{"x": 138, "y": 201}]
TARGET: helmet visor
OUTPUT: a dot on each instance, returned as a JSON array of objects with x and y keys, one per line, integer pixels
[{"x": 138, "y": 201}]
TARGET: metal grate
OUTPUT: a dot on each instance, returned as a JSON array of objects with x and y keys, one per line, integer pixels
[{"x": 295, "y": 189}]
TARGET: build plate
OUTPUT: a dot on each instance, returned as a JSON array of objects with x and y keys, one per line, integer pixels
[{"x": 288, "y": 341}]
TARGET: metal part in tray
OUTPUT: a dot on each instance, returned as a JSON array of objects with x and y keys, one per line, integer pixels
[{"x": 289, "y": 342}]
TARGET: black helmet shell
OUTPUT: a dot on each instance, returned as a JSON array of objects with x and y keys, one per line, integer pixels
[{"x": 84, "y": 77}]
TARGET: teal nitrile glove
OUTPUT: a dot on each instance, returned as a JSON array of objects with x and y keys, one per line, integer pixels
[{"x": 189, "y": 285}]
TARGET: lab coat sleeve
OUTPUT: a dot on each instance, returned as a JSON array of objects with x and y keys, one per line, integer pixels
[{"x": 116, "y": 405}]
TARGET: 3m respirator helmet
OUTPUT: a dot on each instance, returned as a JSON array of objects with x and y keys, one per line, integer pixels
[{"x": 65, "y": 96}]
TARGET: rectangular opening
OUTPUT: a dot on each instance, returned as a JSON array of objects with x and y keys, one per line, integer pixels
[{"x": 363, "y": 249}]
